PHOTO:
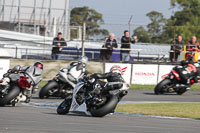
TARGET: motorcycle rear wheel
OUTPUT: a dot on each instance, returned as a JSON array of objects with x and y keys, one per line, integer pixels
[
  {"x": 159, "y": 89},
  {"x": 12, "y": 93},
  {"x": 107, "y": 108}
]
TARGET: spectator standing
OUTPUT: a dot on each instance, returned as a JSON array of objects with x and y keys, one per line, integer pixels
[
  {"x": 58, "y": 43},
  {"x": 176, "y": 48},
  {"x": 110, "y": 45},
  {"x": 193, "y": 45},
  {"x": 126, "y": 45}
]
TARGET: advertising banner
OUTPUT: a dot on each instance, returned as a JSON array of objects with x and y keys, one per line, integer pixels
[
  {"x": 164, "y": 70},
  {"x": 144, "y": 74},
  {"x": 126, "y": 70},
  {"x": 5, "y": 65}
]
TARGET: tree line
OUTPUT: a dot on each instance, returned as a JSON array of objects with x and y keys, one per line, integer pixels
[{"x": 184, "y": 22}]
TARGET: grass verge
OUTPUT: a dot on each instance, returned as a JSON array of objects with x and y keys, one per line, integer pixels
[
  {"x": 182, "y": 110},
  {"x": 43, "y": 83},
  {"x": 195, "y": 87}
]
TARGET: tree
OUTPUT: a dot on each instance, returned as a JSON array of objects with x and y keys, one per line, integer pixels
[
  {"x": 156, "y": 27},
  {"x": 154, "y": 32},
  {"x": 142, "y": 34},
  {"x": 93, "y": 21},
  {"x": 186, "y": 20}
]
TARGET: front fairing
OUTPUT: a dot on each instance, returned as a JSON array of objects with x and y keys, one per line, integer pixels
[{"x": 75, "y": 106}]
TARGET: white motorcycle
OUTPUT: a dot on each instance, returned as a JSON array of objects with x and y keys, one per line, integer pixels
[
  {"x": 86, "y": 98},
  {"x": 62, "y": 85}
]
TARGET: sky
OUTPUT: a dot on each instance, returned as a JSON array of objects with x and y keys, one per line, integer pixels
[{"x": 116, "y": 13}]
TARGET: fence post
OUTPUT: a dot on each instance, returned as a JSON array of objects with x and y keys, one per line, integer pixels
[
  {"x": 26, "y": 53},
  {"x": 16, "y": 49},
  {"x": 138, "y": 55}
]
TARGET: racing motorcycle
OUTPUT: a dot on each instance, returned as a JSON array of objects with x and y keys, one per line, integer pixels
[
  {"x": 62, "y": 85},
  {"x": 17, "y": 86},
  {"x": 173, "y": 83},
  {"x": 88, "y": 99}
]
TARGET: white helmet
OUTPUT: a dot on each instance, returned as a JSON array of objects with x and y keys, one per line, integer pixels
[
  {"x": 83, "y": 59},
  {"x": 116, "y": 69}
]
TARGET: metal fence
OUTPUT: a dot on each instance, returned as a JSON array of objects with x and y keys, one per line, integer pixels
[{"x": 139, "y": 51}]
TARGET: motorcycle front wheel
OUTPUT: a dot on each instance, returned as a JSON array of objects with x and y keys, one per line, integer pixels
[
  {"x": 160, "y": 87},
  {"x": 64, "y": 107},
  {"x": 107, "y": 108},
  {"x": 12, "y": 93},
  {"x": 44, "y": 92}
]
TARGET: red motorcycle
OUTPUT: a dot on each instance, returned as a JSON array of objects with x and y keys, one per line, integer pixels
[
  {"x": 17, "y": 86},
  {"x": 175, "y": 83}
]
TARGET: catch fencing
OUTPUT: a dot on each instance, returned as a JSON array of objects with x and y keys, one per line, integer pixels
[{"x": 42, "y": 50}]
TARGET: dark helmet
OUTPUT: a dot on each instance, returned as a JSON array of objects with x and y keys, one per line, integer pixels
[{"x": 38, "y": 65}]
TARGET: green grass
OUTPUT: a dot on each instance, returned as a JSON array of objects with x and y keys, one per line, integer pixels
[
  {"x": 182, "y": 110},
  {"x": 151, "y": 87},
  {"x": 43, "y": 83}
]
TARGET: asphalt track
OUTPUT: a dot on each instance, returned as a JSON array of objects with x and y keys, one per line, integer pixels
[{"x": 43, "y": 119}]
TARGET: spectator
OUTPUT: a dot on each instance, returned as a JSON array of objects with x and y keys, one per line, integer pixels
[
  {"x": 193, "y": 45},
  {"x": 126, "y": 45},
  {"x": 176, "y": 47},
  {"x": 58, "y": 43},
  {"x": 110, "y": 44}
]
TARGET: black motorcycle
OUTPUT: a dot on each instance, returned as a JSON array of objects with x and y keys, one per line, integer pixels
[
  {"x": 88, "y": 97},
  {"x": 174, "y": 83}
]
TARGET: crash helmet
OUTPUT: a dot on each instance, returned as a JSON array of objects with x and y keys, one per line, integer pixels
[
  {"x": 38, "y": 65},
  {"x": 83, "y": 59},
  {"x": 116, "y": 69}
]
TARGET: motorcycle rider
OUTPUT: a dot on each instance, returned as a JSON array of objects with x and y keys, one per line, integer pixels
[
  {"x": 189, "y": 70},
  {"x": 31, "y": 71},
  {"x": 114, "y": 81},
  {"x": 77, "y": 68}
]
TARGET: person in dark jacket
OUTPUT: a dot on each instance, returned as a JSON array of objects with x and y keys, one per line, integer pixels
[
  {"x": 110, "y": 45},
  {"x": 177, "y": 47},
  {"x": 58, "y": 43},
  {"x": 126, "y": 45}
]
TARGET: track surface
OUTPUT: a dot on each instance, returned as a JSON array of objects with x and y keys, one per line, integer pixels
[{"x": 30, "y": 119}]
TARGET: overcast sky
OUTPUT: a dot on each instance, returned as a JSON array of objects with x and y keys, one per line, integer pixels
[
  {"x": 120, "y": 11},
  {"x": 116, "y": 13}
]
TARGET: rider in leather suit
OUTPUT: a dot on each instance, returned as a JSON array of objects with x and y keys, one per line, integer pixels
[
  {"x": 114, "y": 80},
  {"x": 188, "y": 70},
  {"x": 30, "y": 71}
]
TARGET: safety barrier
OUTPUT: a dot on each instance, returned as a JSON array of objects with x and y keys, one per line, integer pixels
[{"x": 142, "y": 73}]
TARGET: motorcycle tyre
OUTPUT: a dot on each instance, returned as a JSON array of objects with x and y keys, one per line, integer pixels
[
  {"x": 44, "y": 90},
  {"x": 107, "y": 108},
  {"x": 159, "y": 86},
  {"x": 62, "y": 110},
  {"x": 13, "y": 92}
]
